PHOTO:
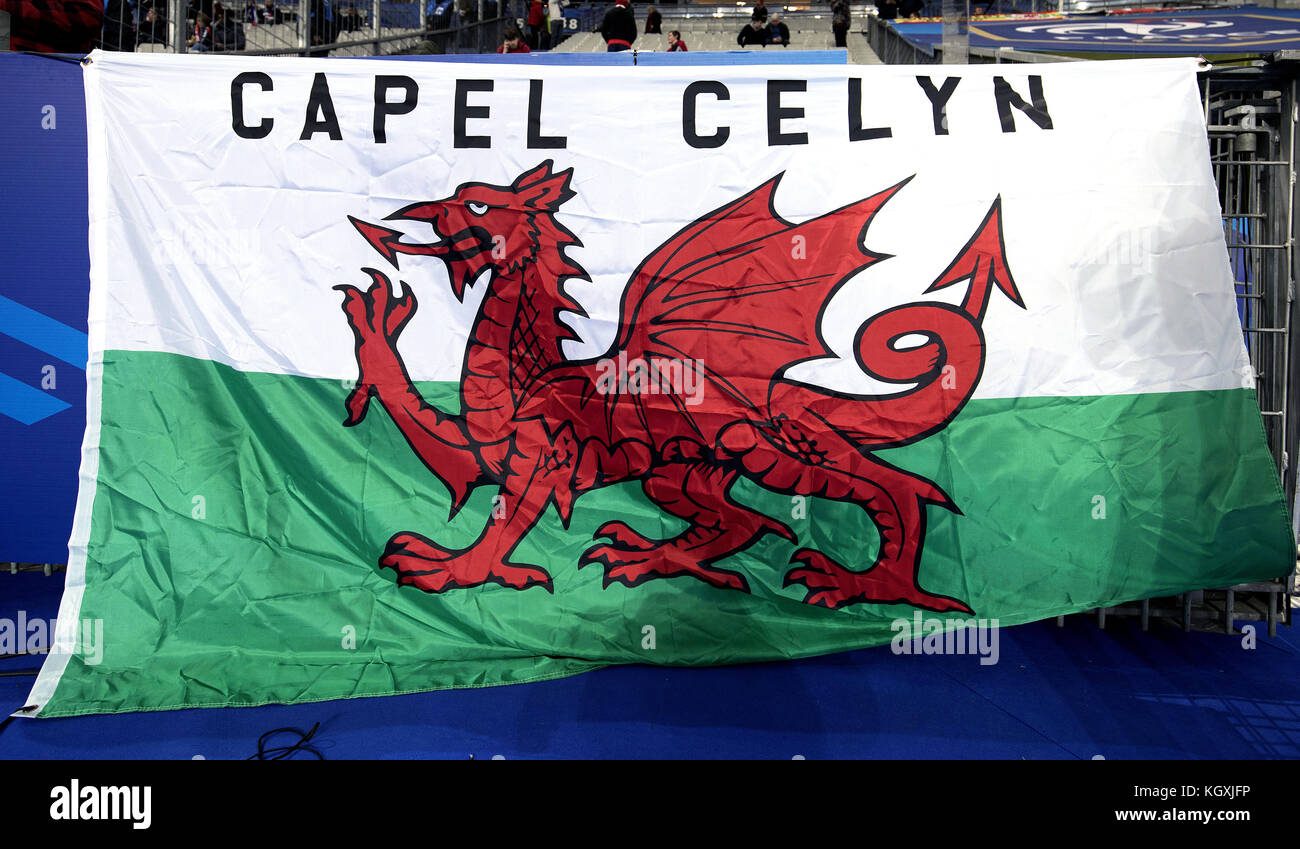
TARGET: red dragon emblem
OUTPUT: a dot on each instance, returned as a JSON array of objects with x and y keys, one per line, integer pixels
[{"x": 727, "y": 293}]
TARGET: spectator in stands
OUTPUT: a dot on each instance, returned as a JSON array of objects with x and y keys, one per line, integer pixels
[
  {"x": 653, "y": 21},
  {"x": 840, "y": 22},
  {"x": 910, "y": 8},
  {"x": 778, "y": 32},
  {"x": 555, "y": 15},
  {"x": 514, "y": 41},
  {"x": 153, "y": 29},
  {"x": 675, "y": 42},
  {"x": 754, "y": 32},
  {"x": 888, "y": 9},
  {"x": 535, "y": 22},
  {"x": 268, "y": 14},
  {"x": 352, "y": 20},
  {"x": 228, "y": 34},
  {"x": 466, "y": 14},
  {"x": 324, "y": 26},
  {"x": 618, "y": 28},
  {"x": 760, "y": 12},
  {"x": 200, "y": 41},
  {"x": 436, "y": 19}
]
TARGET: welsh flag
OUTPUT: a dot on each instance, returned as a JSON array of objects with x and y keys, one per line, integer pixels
[{"x": 408, "y": 376}]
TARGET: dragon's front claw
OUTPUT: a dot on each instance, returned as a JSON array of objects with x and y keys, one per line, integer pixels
[
  {"x": 632, "y": 567},
  {"x": 378, "y": 314},
  {"x": 604, "y": 554}
]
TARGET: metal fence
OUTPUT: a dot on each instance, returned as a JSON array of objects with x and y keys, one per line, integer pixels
[
  {"x": 1251, "y": 113},
  {"x": 1250, "y": 122},
  {"x": 305, "y": 27},
  {"x": 894, "y": 49}
]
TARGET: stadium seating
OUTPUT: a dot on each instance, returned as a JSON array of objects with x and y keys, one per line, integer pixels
[
  {"x": 285, "y": 37},
  {"x": 270, "y": 36},
  {"x": 716, "y": 29}
]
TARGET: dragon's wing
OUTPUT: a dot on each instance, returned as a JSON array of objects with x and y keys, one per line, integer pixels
[{"x": 737, "y": 295}]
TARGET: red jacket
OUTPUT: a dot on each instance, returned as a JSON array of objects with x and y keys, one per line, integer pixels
[{"x": 536, "y": 13}]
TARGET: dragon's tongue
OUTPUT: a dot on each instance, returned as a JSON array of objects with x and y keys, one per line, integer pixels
[{"x": 417, "y": 212}]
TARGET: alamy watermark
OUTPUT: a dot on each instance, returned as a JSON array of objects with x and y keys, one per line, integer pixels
[
  {"x": 33, "y": 635},
  {"x": 75, "y": 801},
  {"x": 933, "y": 635},
  {"x": 653, "y": 376}
]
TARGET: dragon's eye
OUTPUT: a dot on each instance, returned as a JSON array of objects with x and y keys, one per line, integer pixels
[{"x": 476, "y": 207}]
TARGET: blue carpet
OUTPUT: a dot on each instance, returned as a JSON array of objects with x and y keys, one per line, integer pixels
[{"x": 1072, "y": 692}]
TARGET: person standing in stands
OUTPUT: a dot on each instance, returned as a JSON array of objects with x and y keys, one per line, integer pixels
[
  {"x": 536, "y": 18},
  {"x": 840, "y": 22},
  {"x": 778, "y": 32},
  {"x": 514, "y": 41},
  {"x": 653, "y": 21},
  {"x": 618, "y": 28},
  {"x": 555, "y": 14},
  {"x": 760, "y": 12},
  {"x": 324, "y": 28},
  {"x": 753, "y": 33},
  {"x": 675, "y": 42}
]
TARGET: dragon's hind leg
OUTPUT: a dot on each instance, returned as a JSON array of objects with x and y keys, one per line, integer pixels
[
  {"x": 535, "y": 475},
  {"x": 827, "y": 466},
  {"x": 422, "y": 563},
  {"x": 699, "y": 493}
]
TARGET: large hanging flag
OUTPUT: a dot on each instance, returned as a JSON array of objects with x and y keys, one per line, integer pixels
[{"x": 409, "y": 376}]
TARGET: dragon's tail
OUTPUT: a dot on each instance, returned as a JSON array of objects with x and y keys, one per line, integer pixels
[{"x": 935, "y": 348}]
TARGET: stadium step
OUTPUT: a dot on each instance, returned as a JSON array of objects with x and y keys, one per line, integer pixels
[{"x": 860, "y": 52}]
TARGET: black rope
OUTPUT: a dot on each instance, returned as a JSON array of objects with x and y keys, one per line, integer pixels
[
  {"x": 280, "y": 753},
  {"x": 75, "y": 60},
  {"x": 19, "y": 673}
]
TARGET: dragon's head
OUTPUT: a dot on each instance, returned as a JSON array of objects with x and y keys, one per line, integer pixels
[{"x": 482, "y": 226}]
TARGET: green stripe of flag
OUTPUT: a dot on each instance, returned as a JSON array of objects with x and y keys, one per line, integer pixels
[{"x": 236, "y": 527}]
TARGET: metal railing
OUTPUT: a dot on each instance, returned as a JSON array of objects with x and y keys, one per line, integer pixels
[
  {"x": 894, "y": 49},
  {"x": 305, "y": 27}
]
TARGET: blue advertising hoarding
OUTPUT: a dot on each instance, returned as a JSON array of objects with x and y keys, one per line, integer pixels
[
  {"x": 43, "y": 293},
  {"x": 1245, "y": 30}
]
